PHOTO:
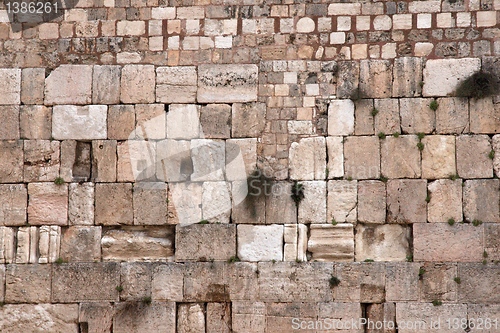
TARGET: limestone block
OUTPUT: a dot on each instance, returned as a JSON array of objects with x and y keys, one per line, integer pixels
[
  {"x": 48, "y": 204},
  {"x": 121, "y": 121},
  {"x": 341, "y": 313},
  {"x": 7, "y": 248},
  {"x": 185, "y": 202},
  {"x": 341, "y": 117},
  {"x": 199, "y": 242},
  {"x": 371, "y": 201},
  {"x": 216, "y": 202},
  {"x": 388, "y": 242},
  {"x": 218, "y": 318},
  {"x": 227, "y": 83},
  {"x": 280, "y": 207},
  {"x": 81, "y": 244},
  {"x": 183, "y": 121},
  {"x": 35, "y": 122},
  {"x": 375, "y": 79},
  {"x": 362, "y": 157},
  {"x": 382, "y": 312},
  {"x": 241, "y": 158},
  {"x": 495, "y": 142},
  {"x": 10, "y": 91},
  {"x": 443, "y": 76},
  {"x": 479, "y": 283},
  {"x": 260, "y": 243},
  {"x": 400, "y": 157},
  {"x": 137, "y": 84},
  {"x": 41, "y": 160},
  {"x": 75, "y": 161},
  {"x": 49, "y": 244},
  {"x": 23, "y": 245},
  {"x": 138, "y": 244},
  {"x": 176, "y": 84},
  {"x": 331, "y": 242},
  {"x": 363, "y": 117},
  {"x": 191, "y": 318},
  {"x": 150, "y": 121},
  {"x": 492, "y": 240},
  {"x": 106, "y": 84},
  {"x": 209, "y": 159},
  {"x": 130, "y": 28},
  {"x": 407, "y": 77},
  {"x": 402, "y": 282},
  {"x": 247, "y": 119},
  {"x": 416, "y": 115},
  {"x": 21, "y": 318},
  {"x": 452, "y": 115},
  {"x": 113, "y": 204},
  {"x": 312, "y": 209},
  {"x": 13, "y": 202},
  {"x": 387, "y": 119},
  {"x": 136, "y": 281},
  {"x": 81, "y": 204},
  {"x": 150, "y": 203},
  {"x": 473, "y": 156},
  {"x": 483, "y": 310},
  {"x": 136, "y": 161},
  {"x": 438, "y": 156},
  {"x": 248, "y": 317},
  {"x": 79, "y": 122},
  {"x": 406, "y": 201},
  {"x": 438, "y": 282},
  {"x": 174, "y": 162},
  {"x": 446, "y": 200},
  {"x": 484, "y": 116},
  {"x": 104, "y": 160},
  {"x": 481, "y": 200},
  {"x": 348, "y": 79},
  {"x": 249, "y": 203},
  {"x": 360, "y": 282},
  {"x": 139, "y": 317},
  {"x": 335, "y": 156},
  {"x": 32, "y": 85},
  {"x": 69, "y": 84},
  {"x": 215, "y": 120},
  {"x": 205, "y": 282},
  {"x": 167, "y": 283},
  {"x": 308, "y": 159},
  {"x": 11, "y": 165},
  {"x": 27, "y": 284},
  {"x": 97, "y": 316},
  {"x": 10, "y": 122},
  {"x": 280, "y": 316},
  {"x": 290, "y": 248},
  {"x": 426, "y": 317},
  {"x": 342, "y": 201}
]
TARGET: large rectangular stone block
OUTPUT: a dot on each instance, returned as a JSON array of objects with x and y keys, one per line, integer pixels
[
  {"x": 375, "y": 79},
  {"x": 205, "y": 242},
  {"x": 24, "y": 318},
  {"x": 416, "y": 115},
  {"x": 341, "y": 117},
  {"x": 81, "y": 244},
  {"x": 113, "y": 204},
  {"x": 312, "y": 209},
  {"x": 41, "y": 160},
  {"x": 342, "y": 201},
  {"x": 402, "y": 281},
  {"x": 331, "y": 242},
  {"x": 13, "y": 202},
  {"x": 362, "y": 157},
  {"x": 106, "y": 84},
  {"x": 121, "y": 122},
  {"x": 481, "y": 199},
  {"x": 81, "y": 204},
  {"x": 360, "y": 282},
  {"x": 425, "y": 317},
  {"x": 438, "y": 156},
  {"x": 438, "y": 282},
  {"x": 176, "y": 84},
  {"x": 32, "y": 85},
  {"x": 308, "y": 159},
  {"x": 401, "y": 157},
  {"x": 150, "y": 203},
  {"x": 28, "y": 284},
  {"x": 407, "y": 77},
  {"x": 79, "y": 122},
  {"x": 69, "y": 84},
  {"x": 260, "y": 243},
  {"x": 48, "y": 204},
  {"x": 11, "y": 165},
  {"x": 10, "y": 91},
  {"x": 446, "y": 200},
  {"x": 389, "y": 242},
  {"x": 442, "y": 76},
  {"x": 248, "y": 119},
  {"x": 168, "y": 282},
  {"x": 136, "y": 279},
  {"x": 35, "y": 122},
  {"x": 183, "y": 121},
  {"x": 406, "y": 201},
  {"x": 98, "y": 316},
  {"x": 371, "y": 201},
  {"x": 248, "y": 317},
  {"x": 138, "y": 84},
  {"x": 473, "y": 156},
  {"x": 387, "y": 119},
  {"x": 10, "y": 122},
  {"x": 479, "y": 283},
  {"x": 452, "y": 115},
  {"x": 138, "y": 317}
]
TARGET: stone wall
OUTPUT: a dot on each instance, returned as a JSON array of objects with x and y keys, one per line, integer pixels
[{"x": 251, "y": 166}]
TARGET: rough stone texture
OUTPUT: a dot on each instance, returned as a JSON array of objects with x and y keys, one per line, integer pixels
[
  {"x": 106, "y": 84},
  {"x": 75, "y": 161},
  {"x": 416, "y": 115},
  {"x": 441, "y": 242},
  {"x": 340, "y": 312},
  {"x": 280, "y": 207},
  {"x": 136, "y": 161},
  {"x": 247, "y": 119},
  {"x": 113, "y": 204},
  {"x": 176, "y": 84},
  {"x": 41, "y": 160},
  {"x": 241, "y": 158},
  {"x": 97, "y": 316},
  {"x": 481, "y": 200},
  {"x": 387, "y": 242},
  {"x": 35, "y": 122},
  {"x": 442, "y": 76},
  {"x": 150, "y": 203},
  {"x": 407, "y": 77},
  {"x": 341, "y": 117},
  {"x": 32, "y": 85},
  {"x": 79, "y": 122},
  {"x": 452, "y": 115},
  {"x": 136, "y": 281},
  {"x": 11, "y": 88},
  {"x": 362, "y": 157},
  {"x": 69, "y": 84},
  {"x": 335, "y": 154},
  {"x": 401, "y": 157},
  {"x": 479, "y": 283},
  {"x": 81, "y": 244},
  {"x": 371, "y": 201},
  {"x": 438, "y": 157},
  {"x": 360, "y": 282},
  {"x": 227, "y": 83},
  {"x": 215, "y": 120},
  {"x": 27, "y": 284},
  {"x": 348, "y": 79},
  {"x": 406, "y": 201},
  {"x": 472, "y": 156},
  {"x": 484, "y": 116},
  {"x": 218, "y": 318},
  {"x": 364, "y": 120},
  {"x": 13, "y": 202},
  {"x": 312, "y": 209},
  {"x": 425, "y": 316},
  {"x": 438, "y": 282},
  {"x": 387, "y": 119},
  {"x": 137, "y": 84},
  {"x": 209, "y": 159},
  {"x": 331, "y": 242},
  {"x": 121, "y": 121},
  {"x": 342, "y": 201},
  {"x": 248, "y": 317},
  {"x": 174, "y": 161},
  {"x": 190, "y": 318},
  {"x": 81, "y": 204},
  {"x": 150, "y": 122},
  {"x": 11, "y": 165},
  {"x": 167, "y": 283},
  {"x": 48, "y": 204},
  {"x": 216, "y": 202},
  {"x": 445, "y": 200},
  {"x": 104, "y": 160},
  {"x": 375, "y": 79},
  {"x": 186, "y": 199},
  {"x": 57, "y": 318},
  {"x": 140, "y": 317},
  {"x": 308, "y": 159},
  {"x": 402, "y": 282},
  {"x": 138, "y": 244},
  {"x": 205, "y": 242},
  {"x": 260, "y": 243},
  {"x": 183, "y": 121}
]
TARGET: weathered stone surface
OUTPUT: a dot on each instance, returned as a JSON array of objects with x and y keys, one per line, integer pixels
[
  {"x": 81, "y": 244},
  {"x": 360, "y": 282},
  {"x": 252, "y": 207},
  {"x": 150, "y": 203},
  {"x": 401, "y": 157},
  {"x": 402, "y": 282},
  {"x": 10, "y": 122},
  {"x": 7, "y": 246},
  {"x": 348, "y": 79},
  {"x": 48, "y": 204},
  {"x": 185, "y": 203},
  {"x": 85, "y": 282},
  {"x": 183, "y": 121},
  {"x": 227, "y": 83},
  {"x": 341, "y": 313},
  {"x": 472, "y": 156},
  {"x": 331, "y": 242},
  {"x": 341, "y": 117},
  {"x": 375, "y": 79},
  {"x": 35, "y": 122},
  {"x": 445, "y": 200},
  {"x": 416, "y": 115},
  {"x": 136, "y": 279},
  {"x": 32, "y": 85},
  {"x": 443, "y": 76},
  {"x": 104, "y": 160},
  {"x": 23, "y": 244},
  {"x": 483, "y": 310},
  {"x": 97, "y": 316},
  {"x": 426, "y": 317},
  {"x": 382, "y": 312},
  {"x": 387, "y": 119},
  {"x": 205, "y": 242},
  {"x": 75, "y": 161},
  {"x": 218, "y": 318},
  {"x": 406, "y": 201},
  {"x": 209, "y": 160},
  {"x": 174, "y": 162},
  {"x": 138, "y": 84},
  {"x": 28, "y": 284},
  {"x": 371, "y": 201},
  {"x": 280, "y": 316},
  {"x": 10, "y": 91},
  {"x": 280, "y": 207},
  {"x": 168, "y": 282},
  {"x": 121, "y": 121},
  {"x": 138, "y": 244},
  {"x": 387, "y": 242},
  {"x": 247, "y": 119},
  {"x": 342, "y": 201},
  {"x": 139, "y": 317},
  {"x": 216, "y": 202},
  {"x": 81, "y": 204},
  {"x": 308, "y": 159},
  {"x": 363, "y": 117},
  {"x": 335, "y": 155},
  {"x": 106, "y": 84},
  {"x": 190, "y": 318},
  {"x": 241, "y": 158},
  {"x": 79, "y": 122},
  {"x": 150, "y": 121},
  {"x": 452, "y": 115},
  {"x": 176, "y": 84},
  {"x": 49, "y": 244},
  {"x": 483, "y": 116},
  {"x": 260, "y": 243},
  {"x": 479, "y": 283},
  {"x": 215, "y": 120},
  {"x": 312, "y": 209},
  {"x": 13, "y": 202},
  {"x": 438, "y": 282},
  {"x": 136, "y": 161},
  {"x": 248, "y": 317},
  {"x": 481, "y": 200},
  {"x": 22, "y": 318},
  {"x": 362, "y": 157},
  {"x": 407, "y": 77},
  {"x": 11, "y": 165},
  {"x": 438, "y": 156},
  {"x": 41, "y": 160},
  {"x": 69, "y": 84},
  {"x": 113, "y": 204}
]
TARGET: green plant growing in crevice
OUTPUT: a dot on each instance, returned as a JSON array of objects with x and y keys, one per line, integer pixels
[
  {"x": 327, "y": 173},
  {"x": 147, "y": 300},
  {"x": 374, "y": 112},
  {"x": 421, "y": 272},
  {"x": 58, "y": 181},
  {"x": 369, "y": 260},
  {"x": 437, "y": 302},
  {"x": 383, "y": 179},
  {"x": 334, "y": 281},
  {"x": 381, "y": 135},
  {"x": 420, "y": 146},
  {"x": 59, "y": 261},
  {"x": 451, "y": 221},
  {"x": 297, "y": 192},
  {"x": 119, "y": 289},
  {"x": 420, "y": 136},
  {"x": 476, "y": 222},
  {"x": 434, "y": 105},
  {"x": 428, "y": 197},
  {"x": 409, "y": 258},
  {"x": 491, "y": 155},
  {"x": 203, "y": 222},
  {"x": 457, "y": 280},
  {"x": 233, "y": 259},
  {"x": 454, "y": 177},
  {"x": 334, "y": 222},
  {"x": 349, "y": 178},
  {"x": 485, "y": 254},
  {"x": 479, "y": 85},
  {"x": 395, "y": 134}
]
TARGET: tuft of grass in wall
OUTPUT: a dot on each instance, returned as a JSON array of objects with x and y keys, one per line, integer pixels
[
  {"x": 334, "y": 222},
  {"x": 491, "y": 155},
  {"x": 428, "y": 197},
  {"x": 434, "y": 105},
  {"x": 203, "y": 222},
  {"x": 409, "y": 258},
  {"x": 374, "y": 112},
  {"x": 233, "y": 259},
  {"x": 349, "y": 178},
  {"x": 454, "y": 177},
  {"x": 327, "y": 173},
  {"x": 421, "y": 272},
  {"x": 369, "y": 260},
  {"x": 485, "y": 254},
  {"x": 457, "y": 280},
  {"x": 59, "y": 261},
  {"x": 437, "y": 302},
  {"x": 147, "y": 300},
  {"x": 479, "y": 85},
  {"x": 420, "y": 146},
  {"x": 420, "y": 136},
  {"x": 297, "y": 192},
  {"x": 381, "y": 135},
  {"x": 395, "y": 134},
  {"x": 59, "y": 181},
  {"x": 451, "y": 221},
  {"x": 383, "y": 178},
  {"x": 476, "y": 222},
  {"x": 119, "y": 289},
  {"x": 334, "y": 281}
]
